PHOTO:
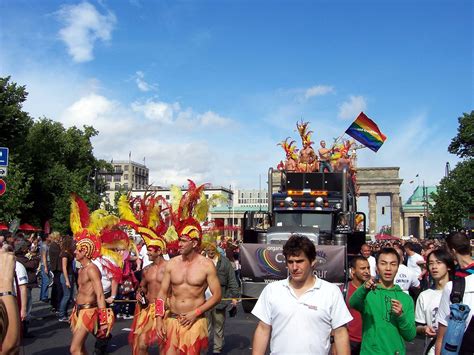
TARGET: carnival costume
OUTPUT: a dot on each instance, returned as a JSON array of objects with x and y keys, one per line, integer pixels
[
  {"x": 145, "y": 216},
  {"x": 291, "y": 156},
  {"x": 189, "y": 209},
  {"x": 87, "y": 230},
  {"x": 309, "y": 166}
]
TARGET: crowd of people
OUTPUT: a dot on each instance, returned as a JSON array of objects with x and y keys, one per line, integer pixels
[
  {"x": 386, "y": 303},
  {"x": 49, "y": 262},
  {"x": 397, "y": 289}
]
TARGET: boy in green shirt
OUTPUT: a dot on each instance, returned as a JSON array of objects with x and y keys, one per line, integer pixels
[{"x": 388, "y": 315}]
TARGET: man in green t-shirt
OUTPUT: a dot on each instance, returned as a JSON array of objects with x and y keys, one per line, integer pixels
[{"x": 388, "y": 316}]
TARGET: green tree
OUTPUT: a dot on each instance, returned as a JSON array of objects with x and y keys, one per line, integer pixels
[
  {"x": 463, "y": 144},
  {"x": 61, "y": 162},
  {"x": 15, "y": 200},
  {"x": 47, "y": 163},
  {"x": 454, "y": 199}
]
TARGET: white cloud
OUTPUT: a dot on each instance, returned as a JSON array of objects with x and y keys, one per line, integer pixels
[
  {"x": 318, "y": 90},
  {"x": 172, "y": 113},
  {"x": 158, "y": 111},
  {"x": 213, "y": 119},
  {"x": 142, "y": 84},
  {"x": 84, "y": 25},
  {"x": 350, "y": 109}
]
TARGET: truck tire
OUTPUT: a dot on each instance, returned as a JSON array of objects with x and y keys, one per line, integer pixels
[{"x": 248, "y": 305}]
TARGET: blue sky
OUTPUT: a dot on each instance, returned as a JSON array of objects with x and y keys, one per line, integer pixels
[{"x": 206, "y": 89}]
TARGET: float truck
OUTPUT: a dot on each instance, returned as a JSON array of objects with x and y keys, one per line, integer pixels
[{"x": 319, "y": 205}]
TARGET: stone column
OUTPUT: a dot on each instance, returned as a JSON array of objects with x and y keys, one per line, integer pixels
[
  {"x": 395, "y": 204},
  {"x": 406, "y": 226},
  {"x": 421, "y": 228},
  {"x": 372, "y": 213}
]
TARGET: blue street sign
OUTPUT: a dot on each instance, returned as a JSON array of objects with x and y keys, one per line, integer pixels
[{"x": 3, "y": 156}]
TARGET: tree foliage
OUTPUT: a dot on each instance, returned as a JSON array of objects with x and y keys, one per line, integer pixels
[
  {"x": 463, "y": 144},
  {"x": 48, "y": 163},
  {"x": 454, "y": 199}
]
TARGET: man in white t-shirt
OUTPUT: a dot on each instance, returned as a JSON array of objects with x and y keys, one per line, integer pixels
[
  {"x": 405, "y": 278},
  {"x": 298, "y": 314},
  {"x": 366, "y": 252},
  {"x": 414, "y": 261}
]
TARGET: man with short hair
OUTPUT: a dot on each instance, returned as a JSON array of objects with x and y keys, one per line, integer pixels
[
  {"x": 388, "y": 314},
  {"x": 186, "y": 277},
  {"x": 298, "y": 314},
  {"x": 230, "y": 289},
  {"x": 360, "y": 273},
  {"x": 366, "y": 252},
  {"x": 415, "y": 261},
  {"x": 324, "y": 158},
  {"x": 406, "y": 278}
]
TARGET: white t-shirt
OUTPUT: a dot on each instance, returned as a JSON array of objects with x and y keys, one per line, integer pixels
[
  {"x": 301, "y": 325},
  {"x": 21, "y": 276},
  {"x": 412, "y": 263},
  {"x": 443, "y": 311},
  {"x": 406, "y": 278},
  {"x": 144, "y": 256},
  {"x": 372, "y": 264},
  {"x": 106, "y": 278},
  {"x": 426, "y": 310}
]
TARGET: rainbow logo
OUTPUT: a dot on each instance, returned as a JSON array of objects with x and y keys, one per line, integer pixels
[{"x": 264, "y": 259}]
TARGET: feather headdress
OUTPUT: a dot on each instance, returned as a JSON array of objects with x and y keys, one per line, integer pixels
[
  {"x": 192, "y": 209},
  {"x": 304, "y": 133},
  {"x": 146, "y": 216},
  {"x": 289, "y": 148},
  {"x": 88, "y": 227}
]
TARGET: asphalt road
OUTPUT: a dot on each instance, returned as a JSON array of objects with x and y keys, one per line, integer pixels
[{"x": 53, "y": 338}]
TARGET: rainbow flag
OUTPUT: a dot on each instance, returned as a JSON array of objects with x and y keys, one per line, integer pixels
[{"x": 365, "y": 131}]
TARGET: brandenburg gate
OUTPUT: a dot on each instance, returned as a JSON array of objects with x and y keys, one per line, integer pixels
[{"x": 375, "y": 182}]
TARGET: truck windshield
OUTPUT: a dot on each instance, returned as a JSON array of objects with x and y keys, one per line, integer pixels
[{"x": 286, "y": 219}]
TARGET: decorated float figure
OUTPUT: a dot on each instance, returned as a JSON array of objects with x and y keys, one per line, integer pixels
[
  {"x": 308, "y": 161},
  {"x": 291, "y": 162}
]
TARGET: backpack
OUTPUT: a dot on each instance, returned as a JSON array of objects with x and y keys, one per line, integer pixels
[{"x": 454, "y": 335}]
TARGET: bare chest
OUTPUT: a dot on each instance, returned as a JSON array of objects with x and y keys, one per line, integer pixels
[{"x": 188, "y": 273}]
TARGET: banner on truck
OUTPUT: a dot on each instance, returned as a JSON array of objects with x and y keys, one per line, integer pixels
[{"x": 266, "y": 263}]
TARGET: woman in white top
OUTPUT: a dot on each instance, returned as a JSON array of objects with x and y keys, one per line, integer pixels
[{"x": 441, "y": 268}]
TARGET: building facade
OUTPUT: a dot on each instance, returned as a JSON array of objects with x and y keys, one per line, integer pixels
[{"x": 126, "y": 176}]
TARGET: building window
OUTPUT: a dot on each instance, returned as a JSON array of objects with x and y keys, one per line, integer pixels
[
  {"x": 167, "y": 197},
  {"x": 125, "y": 186},
  {"x": 117, "y": 186},
  {"x": 125, "y": 176},
  {"x": 108, "y": 178},
  {"x": 125, "y": 167}
]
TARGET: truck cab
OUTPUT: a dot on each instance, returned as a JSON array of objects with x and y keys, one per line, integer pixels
[{"x": 321, "y": 206}]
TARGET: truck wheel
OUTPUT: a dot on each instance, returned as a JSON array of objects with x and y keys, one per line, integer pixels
[{"x": 248, "y": 305}]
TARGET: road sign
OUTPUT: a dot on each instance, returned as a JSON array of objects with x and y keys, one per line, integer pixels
[
  {"x": 3, "y": 187},
  {"x": 3, "y": 171},
  {"x": 3, "y": 156}
]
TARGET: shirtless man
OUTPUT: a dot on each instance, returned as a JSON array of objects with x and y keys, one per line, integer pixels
[
  {"x": 90, "y": 302},
  {"x": 186, "y": 277},
  {"x": 143, "y": 332},
  {"x": 324, "y": 158},
  {"x": 308, "y": 161}
]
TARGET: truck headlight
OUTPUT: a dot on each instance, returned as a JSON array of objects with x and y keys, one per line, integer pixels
[
  {"x": 289, "y": 201},
  {"x": 319, "y": 201}
]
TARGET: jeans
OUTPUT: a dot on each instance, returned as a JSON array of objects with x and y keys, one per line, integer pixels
[
  {"x": 44, "y": 285},
  {"x": 67, "y": 295},
  {"x": 56, "y": 290},
  {"x": 325, "y": 164}
]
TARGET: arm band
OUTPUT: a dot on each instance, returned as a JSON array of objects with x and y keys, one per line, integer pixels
[
  {"x": 159, "y": 307},
  {"x": 198, "y": 312},
  {"x": 102, "y": 316}
]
